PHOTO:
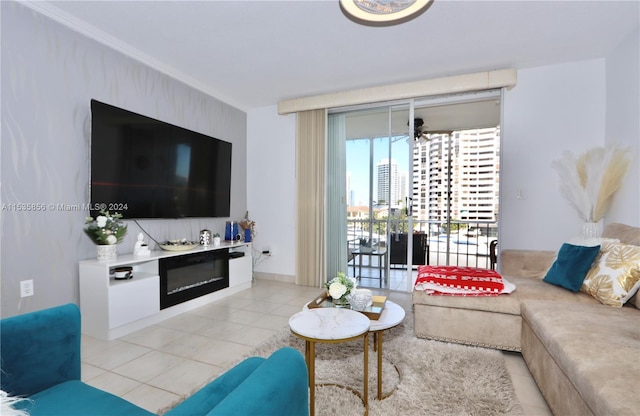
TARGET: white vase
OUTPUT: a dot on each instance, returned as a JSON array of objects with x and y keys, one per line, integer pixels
[
  {"x": 107, "y": 252},
  {"x": 590, "y": 230}
]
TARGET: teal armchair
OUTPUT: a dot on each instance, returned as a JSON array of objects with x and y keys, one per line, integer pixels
[{"x": 40, "y": 360}]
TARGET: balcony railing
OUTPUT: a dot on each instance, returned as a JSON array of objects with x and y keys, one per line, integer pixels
[{"x": 465, "y": 243}]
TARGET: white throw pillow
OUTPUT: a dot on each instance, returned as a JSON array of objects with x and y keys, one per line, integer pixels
[{"x": 615, "y": 276}]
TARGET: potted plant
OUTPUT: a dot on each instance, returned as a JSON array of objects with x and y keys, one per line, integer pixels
[
  {"x": 216, "y": 240},
  {"x": 106, "y": 231}
]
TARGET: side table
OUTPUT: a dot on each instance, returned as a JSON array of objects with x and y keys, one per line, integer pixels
[
  {"x": 330, "y": 325},
  {"x": 392, "y": 315},
  {"x": 382, "y": 262}
]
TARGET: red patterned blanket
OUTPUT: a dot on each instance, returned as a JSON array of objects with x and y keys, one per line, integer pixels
[{"x": 461, "y": 281}]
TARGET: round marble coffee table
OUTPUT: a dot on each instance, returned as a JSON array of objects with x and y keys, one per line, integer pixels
[
  {"x": 330, "y": 325},
  {"x": 392, "y": 315}
]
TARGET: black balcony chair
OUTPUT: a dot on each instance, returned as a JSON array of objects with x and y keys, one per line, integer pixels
[
  {"x": 398, "y": 253},
  {"x": 493, "y": 255}
]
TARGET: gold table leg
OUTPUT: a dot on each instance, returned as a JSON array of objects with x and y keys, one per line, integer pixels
[
  {"x": 366, "y": 373},
  {"x": 310, "y": 358},
  {"x": 310, "y": 355},
  {"x": 378, "y": 336}
]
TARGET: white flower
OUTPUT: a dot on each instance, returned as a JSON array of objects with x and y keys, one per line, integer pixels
[
  {"x": 336, "y": 290},
  {"x": 101, "y": 221},
  {"x": 111, "y": 239}
]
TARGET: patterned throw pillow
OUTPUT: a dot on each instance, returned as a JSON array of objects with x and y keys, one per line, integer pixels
[{"x": 615, "y": 276}]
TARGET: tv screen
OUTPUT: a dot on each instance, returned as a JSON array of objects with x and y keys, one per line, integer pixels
[{"x": 145, "y": 168}]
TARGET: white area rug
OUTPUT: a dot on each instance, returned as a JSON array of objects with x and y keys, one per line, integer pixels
[{"x": 424, "y": 377}]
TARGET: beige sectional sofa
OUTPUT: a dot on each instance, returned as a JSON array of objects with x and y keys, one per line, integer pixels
[{"x": 584, "y": 356}]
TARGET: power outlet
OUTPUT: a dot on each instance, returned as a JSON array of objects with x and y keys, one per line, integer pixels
[{"x": 26, "y": 288}]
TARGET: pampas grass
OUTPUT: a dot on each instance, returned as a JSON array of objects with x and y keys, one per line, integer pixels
[{"x": 590, "y": 180}]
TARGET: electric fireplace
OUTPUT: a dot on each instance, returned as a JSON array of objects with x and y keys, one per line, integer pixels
[{"x": 190, "y": 276}]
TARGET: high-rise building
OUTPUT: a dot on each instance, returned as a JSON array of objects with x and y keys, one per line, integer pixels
[
  {"x": 457, "y": 177},
  {"x": 388, "y": 182}
]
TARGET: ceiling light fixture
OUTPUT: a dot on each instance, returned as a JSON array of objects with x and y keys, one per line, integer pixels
[{"x": 383, "y": 12}]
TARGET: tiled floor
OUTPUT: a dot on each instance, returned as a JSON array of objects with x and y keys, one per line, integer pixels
[{"x": 159, "y": 365}]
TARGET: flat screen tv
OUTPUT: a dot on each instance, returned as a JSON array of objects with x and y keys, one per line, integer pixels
[{"x": 145, "y": 168}]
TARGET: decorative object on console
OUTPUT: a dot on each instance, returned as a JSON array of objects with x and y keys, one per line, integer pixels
[
  {"x": 216, "y": 240},
  {"x": 231, "y": 231},
  {"x": 106, "y": 252},
  {"x": 178, "y": 245},
  {"x": 589, "y": 182},
  {"x": 615, "y": 275},
  {"x": 106, "y": 231},
  {"x": 205, "y": 237},
  {"x": 249, "y": 228},
  {"x": 339, "y": 288},
  {"x": 140, "y": 249},
  {"x": 123, "y": 273}
]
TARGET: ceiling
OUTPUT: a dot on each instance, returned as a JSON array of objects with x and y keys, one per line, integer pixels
[{"x": 255, "y": 53}]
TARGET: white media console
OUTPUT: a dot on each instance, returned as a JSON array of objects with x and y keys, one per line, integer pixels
[{"x": 113, "y": 308}]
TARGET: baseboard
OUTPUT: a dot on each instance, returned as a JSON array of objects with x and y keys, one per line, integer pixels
[{"x": 285, "y": 278}]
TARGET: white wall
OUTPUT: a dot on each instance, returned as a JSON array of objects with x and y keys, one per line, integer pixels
[
  {"x": 551, "y": 109},
  {"x": 49, "y": 75},
  {"x": 623, "y": 124},
  {"x": 271, "y": 189}
]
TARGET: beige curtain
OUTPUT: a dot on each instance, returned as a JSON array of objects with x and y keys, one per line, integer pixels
[{"x": 310, "y": 189}]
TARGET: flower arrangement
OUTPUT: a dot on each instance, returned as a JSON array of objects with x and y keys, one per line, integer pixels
[
  {"x": 248, "y": 224},
  {"x": 106, "y": 228},
  {"x": 590, "y": 180},
  {"x": 340, "y": 286}
]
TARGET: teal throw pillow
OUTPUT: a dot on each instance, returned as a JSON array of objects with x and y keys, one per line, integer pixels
[{"x": 571, "y": 266}]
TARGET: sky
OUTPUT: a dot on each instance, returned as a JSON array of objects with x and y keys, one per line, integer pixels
[{"x": 358, "y": 163}]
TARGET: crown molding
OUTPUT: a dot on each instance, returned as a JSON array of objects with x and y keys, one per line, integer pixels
[{"x": 48, "y": 10}]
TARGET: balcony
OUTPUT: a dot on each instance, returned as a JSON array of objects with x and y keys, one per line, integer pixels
[{"x": 467, "y": 244}]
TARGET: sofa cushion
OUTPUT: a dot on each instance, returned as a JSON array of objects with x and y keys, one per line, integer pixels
[
  {"x": 615, "y": 276},
  {"x": 526, "y": 263},
  {"x": 571, "y": 266},
  {"x": 213, "y": 393},
  {"x": 596, "y": 347},
  {"x": 277, "y": 385},
  {"x": 75, "y": 398},
  {"x": 625, "y": 233},
  {"x": 262, "y": 393}
]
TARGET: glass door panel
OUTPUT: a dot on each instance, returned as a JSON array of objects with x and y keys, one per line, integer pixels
[
  {"x": 400, "y": 235},
  {"x": 365, "y": 142},
  {"x": 377, "y": 177}
]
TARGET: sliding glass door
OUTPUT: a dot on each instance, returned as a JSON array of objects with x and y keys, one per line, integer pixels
[
  {"x": 412, "y": 183},
  {"x": 377, "y": 181}
]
